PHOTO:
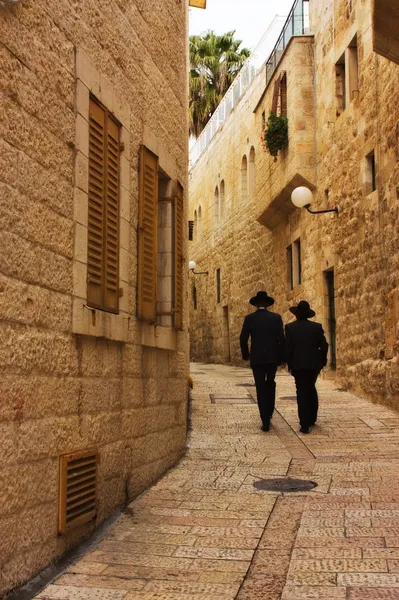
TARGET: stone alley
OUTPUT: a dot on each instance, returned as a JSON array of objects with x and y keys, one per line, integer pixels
[{"x": 204, "y": 532}]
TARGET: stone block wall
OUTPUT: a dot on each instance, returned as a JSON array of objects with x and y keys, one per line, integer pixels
[
  {"x": 74, "y": 378},
  {"x": 360, "y": 245}
]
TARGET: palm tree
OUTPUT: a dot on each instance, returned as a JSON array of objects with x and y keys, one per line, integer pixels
[{"x": 214, "y": 63}]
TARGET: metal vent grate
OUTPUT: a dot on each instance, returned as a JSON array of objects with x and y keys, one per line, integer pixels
[{"x": 78, "y": 489}]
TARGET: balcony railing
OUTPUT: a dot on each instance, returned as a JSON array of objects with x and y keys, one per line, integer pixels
[{"x": 297, "y": 23}]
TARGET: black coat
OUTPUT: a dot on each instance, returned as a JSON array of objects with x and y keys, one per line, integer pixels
[
  {"x": 267, "y": 338},
  {"x": 306, "y": 346}
]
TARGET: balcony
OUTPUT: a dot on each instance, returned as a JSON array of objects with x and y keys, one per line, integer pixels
[
  {"x": 295, "y": 165},
  {"x": 386, "y": 28}
]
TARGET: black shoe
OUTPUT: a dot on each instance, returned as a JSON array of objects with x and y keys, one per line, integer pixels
[
  {"x": 265, "y": 427},
  {"x": 304, "y": 430}
]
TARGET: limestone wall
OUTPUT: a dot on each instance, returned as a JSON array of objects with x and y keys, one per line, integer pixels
[
  {"x": 332, "y": 153},
  {"x": 73, "y": 378}
]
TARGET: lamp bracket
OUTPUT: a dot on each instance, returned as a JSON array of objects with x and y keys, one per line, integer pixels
[{"x": 319, "y": 212}]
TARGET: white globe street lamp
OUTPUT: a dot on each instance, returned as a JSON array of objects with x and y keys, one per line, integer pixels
[
  {"x": 302, "y": 197},
  {"x": 191, "y": 267}
]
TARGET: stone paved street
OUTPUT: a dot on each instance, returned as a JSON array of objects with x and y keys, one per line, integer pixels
[{"x": 204, "y": 532}]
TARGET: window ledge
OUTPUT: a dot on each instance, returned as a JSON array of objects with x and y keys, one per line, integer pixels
[
  {"x": 156, "y": 336},
  {"x": 98, "y": 323},
  {"x": 293, "y": 294}
]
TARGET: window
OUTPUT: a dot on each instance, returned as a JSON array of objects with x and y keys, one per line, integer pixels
[
  {"x": 244, "y": 179},
  {"x": 263, "y": 120},
  {"x": 178, "y": 259},
  {"x": 371, "y": 177},
  {"x": 194, "y": 289},
  {"x": 161, "y": 232},
  {"x": 346, "y": 77},
  {"x": 251, "y": 174},
  {"x": 199, "y": 223},
  {"x": 218, "y": 286},
  {"x": 215, "y": 205},
  {"x": 294, "y": 267},
  {"x": 195, "y": 226},
  {"x": 222, "y": 204},
  {"x": 340, "y": 92},
  {"x": 352, "y": 68},
  {"x": 148, "y": 238},
  {"x": 103, "y": 206},
  {"x": 279, "y": 101}
]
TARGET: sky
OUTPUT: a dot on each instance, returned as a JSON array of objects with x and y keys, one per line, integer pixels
[{"x": 250, "y": 18}]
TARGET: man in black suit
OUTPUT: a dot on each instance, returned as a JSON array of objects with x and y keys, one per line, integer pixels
[
  {"x": 267, "y": 352},
  {"x": 306, "y": 354}
]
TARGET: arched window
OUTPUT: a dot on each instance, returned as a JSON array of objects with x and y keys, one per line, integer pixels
[
  {"x": 199, "y": 223},
  {"x": 244, "y": 179},
  {"x": 222, "y": 206},
  {"x": 195, "y": 226},
  {"x": 216, "y": 206},
  {"x": 251, "y": 174}
]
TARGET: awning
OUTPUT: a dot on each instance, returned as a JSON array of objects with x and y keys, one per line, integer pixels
[{"x": 198, "y": 3}]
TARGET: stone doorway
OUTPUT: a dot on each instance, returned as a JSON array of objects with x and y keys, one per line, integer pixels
[
  {"x": 226, "y": 335},
  {"x": 330, "y": 302}
]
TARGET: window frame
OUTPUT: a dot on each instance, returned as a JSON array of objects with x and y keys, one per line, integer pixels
[{"x": 88, "y": 320}]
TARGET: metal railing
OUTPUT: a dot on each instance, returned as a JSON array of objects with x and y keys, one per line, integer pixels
[{"x": 296, "y": 23}]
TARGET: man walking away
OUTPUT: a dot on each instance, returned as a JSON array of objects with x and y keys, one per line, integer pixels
[
  {"x": 267, "y": 352},
  {"x": 306, "y": 353}
]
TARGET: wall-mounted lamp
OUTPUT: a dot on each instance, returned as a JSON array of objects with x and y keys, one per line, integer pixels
[
  {"x": 302, "y": 197},
  {"x": 191, "y": 267}
]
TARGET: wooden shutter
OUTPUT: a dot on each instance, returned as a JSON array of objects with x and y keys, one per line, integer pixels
[
  {"x": 111, "y": 241},
  {"x": 283, "y": 94},
  {"x": 275, "y": 95},
  {"x": 178, "y": 210},
  {"x": 148, "y": 232},
  {"x": 96, "y": 205},
  {"x": 103, "y": 221}
]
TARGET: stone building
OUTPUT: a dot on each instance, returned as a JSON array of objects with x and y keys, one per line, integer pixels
[
  {"x": 94, "y": 347},
  {"x": 341, "y": 98}
]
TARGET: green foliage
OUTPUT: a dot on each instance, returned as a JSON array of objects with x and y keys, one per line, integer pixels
[
  {"x": 215, "y": 61},
  {"x": 275, "y": 136}
]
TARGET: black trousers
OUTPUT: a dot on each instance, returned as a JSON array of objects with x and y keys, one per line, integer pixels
[
  {"x": 265, "y": 389},
  {"x": 306, "y": 395}
]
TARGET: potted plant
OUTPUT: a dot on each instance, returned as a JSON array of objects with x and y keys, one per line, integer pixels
[{"x": 275, "y": 135}]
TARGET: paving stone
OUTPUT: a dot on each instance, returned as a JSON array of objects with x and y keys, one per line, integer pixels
[
  {"x": 227, "y": 542},
  {"x": 210, "y": 589},
  {"x": 143, "y": 572},
  {"x": 55, "y": 592},
  {"x": 313, "y": 593},
  {"x": 335, "y": 565},
  {"x": 269, "y": 587},
  {"x": 372, "y": 594},
  {"x": 214, "y": 553},
  {"x": 386, "y": 580},
  {"x": 102, "y": 582},
  {"x": 172, "y": 596},
  {"x": 88, "y": 567}
]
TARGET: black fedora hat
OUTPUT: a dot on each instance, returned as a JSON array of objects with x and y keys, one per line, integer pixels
[
  {"x": 303, "y": 310},
  {"x": 261, "y": 298}
]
